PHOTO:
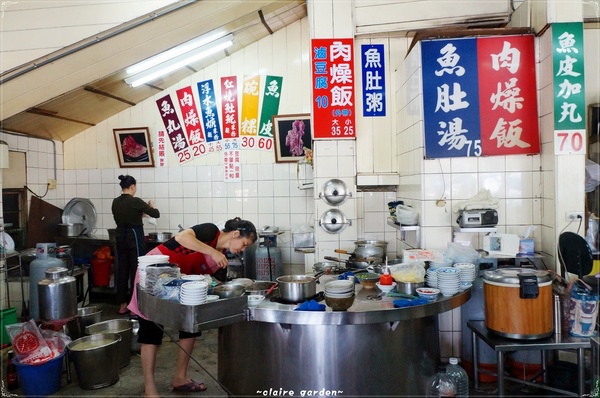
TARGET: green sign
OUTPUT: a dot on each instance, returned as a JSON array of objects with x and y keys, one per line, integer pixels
[
  {"x": 270, "y": 105},
  {"x": 569, "y": 82}
]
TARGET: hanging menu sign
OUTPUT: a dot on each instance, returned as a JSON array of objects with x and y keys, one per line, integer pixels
[
  {"x": 249, "y": 117},
  {"x": 333, "y": 88},
  {"x": 569, "y": 88},
  {"x": 270, "y": 107},
  {"x": 208, "y": 105},
  {"x": 174, "y": 131},
  {"x": 373, "y": 79},
  {"x": 191, "y": 121}
]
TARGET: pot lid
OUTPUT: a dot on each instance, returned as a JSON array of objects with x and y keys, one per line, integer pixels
[
  {"x": 334, "y": 192},
  {"x": 333, "y": 221},
  {"x": 80, "y": 211},
  {"x": 55, "y": 273},
  {"x": 511, "y": 275}
]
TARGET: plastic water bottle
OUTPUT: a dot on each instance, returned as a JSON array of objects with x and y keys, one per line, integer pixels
[
  {"x": 459, "y": 377},
  {"x": 440, "y": 385}
]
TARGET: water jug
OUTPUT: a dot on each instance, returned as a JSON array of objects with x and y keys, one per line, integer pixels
[{"x": 57, "y": 295}]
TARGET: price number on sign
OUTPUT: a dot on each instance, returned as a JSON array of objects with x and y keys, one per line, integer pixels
[
  {"x": 185, "y": 155},
  {"x": 569, "y": 142},
  {"x": 248, "y": 142}
]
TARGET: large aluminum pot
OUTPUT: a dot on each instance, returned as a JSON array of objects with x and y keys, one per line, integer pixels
[
  {"x": 96, "y": 360},
  {"x": 371, "y": 244},
  {"x": 122, "y": 327},
  {"x": 70, "y": 229},
  {"x": 297, "y": 288}
]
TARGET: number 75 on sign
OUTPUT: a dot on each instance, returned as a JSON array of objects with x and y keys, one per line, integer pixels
[{"x": 569, "y": 142}]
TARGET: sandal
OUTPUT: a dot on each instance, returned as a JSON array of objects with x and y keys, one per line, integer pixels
[{"x": 192, "y": 386}]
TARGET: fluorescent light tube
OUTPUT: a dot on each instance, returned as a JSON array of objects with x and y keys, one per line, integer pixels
[
  {"x": 172, "y": 53},
  {"x": 178, "y": 62}
]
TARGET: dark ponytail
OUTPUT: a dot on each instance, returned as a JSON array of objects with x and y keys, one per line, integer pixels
[
  {"x": 246, "y": 228},
  {"x": 126, "y": 181}
]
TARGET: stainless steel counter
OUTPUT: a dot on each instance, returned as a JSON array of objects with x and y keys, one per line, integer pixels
[
  {"x": 373, "y": 349},
  {"x": 363, "y": 311}
]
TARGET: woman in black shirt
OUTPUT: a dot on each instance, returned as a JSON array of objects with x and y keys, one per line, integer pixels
[{"x": 128, "y": 212}]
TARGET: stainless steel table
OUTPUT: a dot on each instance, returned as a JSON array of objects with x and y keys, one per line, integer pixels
[{"x": 502, "y": 345}]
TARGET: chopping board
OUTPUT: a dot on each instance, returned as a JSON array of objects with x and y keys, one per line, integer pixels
[{"x": 42, "y": 225}]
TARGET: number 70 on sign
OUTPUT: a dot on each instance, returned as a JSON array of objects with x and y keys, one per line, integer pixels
[{"x": 569, "y": 142}]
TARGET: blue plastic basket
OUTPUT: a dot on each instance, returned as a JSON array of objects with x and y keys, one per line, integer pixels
[{"x": 40, "y": 380}]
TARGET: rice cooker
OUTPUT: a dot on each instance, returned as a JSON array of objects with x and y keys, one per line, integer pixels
[{"x": 518, "y": 302}]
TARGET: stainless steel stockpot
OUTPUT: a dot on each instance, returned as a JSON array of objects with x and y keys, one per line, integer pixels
[{"x": 297, "y": 288}]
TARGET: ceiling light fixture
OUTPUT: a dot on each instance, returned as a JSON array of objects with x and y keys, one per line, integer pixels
[{"x": 193, "y": 53}]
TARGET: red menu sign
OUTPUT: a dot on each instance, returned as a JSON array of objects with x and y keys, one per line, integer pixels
[
  {"x": 333, "y": 88},
  {"x": 507, "y": 95}
]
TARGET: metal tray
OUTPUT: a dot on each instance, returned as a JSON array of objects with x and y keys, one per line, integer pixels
[{"x": 192, "y": 318}]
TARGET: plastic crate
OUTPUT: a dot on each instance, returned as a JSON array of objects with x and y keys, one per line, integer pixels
[{"x": 7, "y": 317}]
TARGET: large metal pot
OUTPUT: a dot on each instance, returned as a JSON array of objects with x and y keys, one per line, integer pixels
[
  {"x": 70, "y": 229},
  {"x": 364, "y": 251},
  {"x": 370, "y": 244},
  {"x": 297, "y": 288}
]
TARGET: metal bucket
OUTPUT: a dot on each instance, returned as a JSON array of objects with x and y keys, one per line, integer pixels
[
  {"x": 124, "y": 328},
  {"x": 86, "y": 316},
  {"x": 95, "y": 358}
]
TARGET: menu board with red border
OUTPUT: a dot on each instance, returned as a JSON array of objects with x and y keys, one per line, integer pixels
[{"x": 333, "y": 88}]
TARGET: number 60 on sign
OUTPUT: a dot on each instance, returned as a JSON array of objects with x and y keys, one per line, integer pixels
[{"x": 569, "y": 142}]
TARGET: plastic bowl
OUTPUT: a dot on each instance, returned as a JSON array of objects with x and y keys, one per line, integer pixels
[
  {"x": 339, "y": 304},
  {"x": 255, "y": 299},
  {"x": 428, "y": 293},
  {"x": 367, "y": 280}
]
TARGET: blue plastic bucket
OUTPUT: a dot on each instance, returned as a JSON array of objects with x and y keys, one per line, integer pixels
[{"x": 40, "y": 380}]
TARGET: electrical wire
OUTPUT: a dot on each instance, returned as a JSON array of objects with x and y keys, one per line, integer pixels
[{"x": 35, "y": 194}]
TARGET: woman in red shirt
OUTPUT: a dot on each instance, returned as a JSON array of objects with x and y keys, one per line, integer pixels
[{"x": 197, "y": 250}]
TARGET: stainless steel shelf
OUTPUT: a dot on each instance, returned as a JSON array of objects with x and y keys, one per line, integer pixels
[{"x": 406, "y": 228}]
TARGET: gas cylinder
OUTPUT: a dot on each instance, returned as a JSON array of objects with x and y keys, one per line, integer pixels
[
  {"x": 57, "y": 295},
  {"x": 37, "y": 272},
  {"x": 269, "y": 261}
]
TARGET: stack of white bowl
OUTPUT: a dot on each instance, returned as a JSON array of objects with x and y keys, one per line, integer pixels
[
  {"x": 448, "y": 280},
  {"x": 432, "y": 277},
  {"x": 144, "y": 261},
  {"x": 193, "y": 293},
  {"x": 339, "y": 289},
  {"x": 468, "y": 271}
]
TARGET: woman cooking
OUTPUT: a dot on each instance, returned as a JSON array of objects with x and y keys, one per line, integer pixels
[
  {"x": 197, "y": 250},
  {"x": 128, "y": 212}
]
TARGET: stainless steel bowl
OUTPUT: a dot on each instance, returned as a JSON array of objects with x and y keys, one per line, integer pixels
[
  {"x": 409, "y": 287},
  {"x": 229, "y": 290}
]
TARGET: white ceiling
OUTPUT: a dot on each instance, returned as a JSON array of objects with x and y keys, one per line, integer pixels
[{"x": 66, "y": 91}]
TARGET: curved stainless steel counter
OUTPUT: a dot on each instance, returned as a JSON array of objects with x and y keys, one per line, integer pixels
[{"x": 371, "y": 349}]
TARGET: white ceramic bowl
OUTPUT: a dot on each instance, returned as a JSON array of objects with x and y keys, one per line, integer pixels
[
  {"x": 428, "y": 293},
  {"x": 255, "y": 299},
  {"x": 386, "y": 288}
]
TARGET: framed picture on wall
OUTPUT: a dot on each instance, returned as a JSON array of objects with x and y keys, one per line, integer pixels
[
  {"x": 292, "y": 135},
  {"x": 134, "y": 147}
]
